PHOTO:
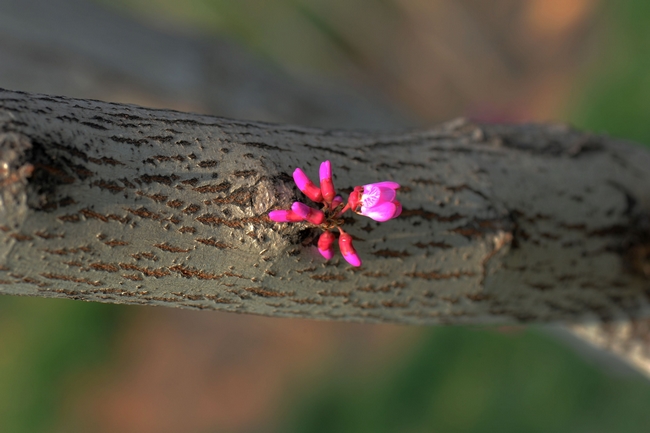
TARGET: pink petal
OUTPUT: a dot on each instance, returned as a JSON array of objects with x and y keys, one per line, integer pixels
[
  {"x": 300, "y": 208},
  {"x": 353, "y": 259},
  {"x": 325, "y": 171},
  {"x": 387, "y": 194},
  {"x": 374, "y": 195},
  {"x": 371, "y": 196},
  {"x": 279, "y": 216},
  {"x": 301, "y": 179},
  {"x": 381, "y": 213},
  {"x": 328, "y": 254},
  {"x": 387, "y": 184}
]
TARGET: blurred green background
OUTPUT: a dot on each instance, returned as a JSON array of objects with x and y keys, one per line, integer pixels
[{"x": 57, "y": 356}]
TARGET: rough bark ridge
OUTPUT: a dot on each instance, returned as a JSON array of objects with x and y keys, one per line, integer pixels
[{"x": 123, "y": 204}]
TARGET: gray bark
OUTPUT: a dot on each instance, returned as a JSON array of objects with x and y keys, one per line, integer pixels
[{"x": 116, "y": 203}]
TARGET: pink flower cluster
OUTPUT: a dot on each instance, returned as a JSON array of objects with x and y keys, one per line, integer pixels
[{"x": 375, "y": 200}]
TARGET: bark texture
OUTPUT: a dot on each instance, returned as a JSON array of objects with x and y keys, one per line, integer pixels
[{"x": 118, "y": 203}]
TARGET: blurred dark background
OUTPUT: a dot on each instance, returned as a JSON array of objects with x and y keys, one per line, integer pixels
[{"x": 69, "y": 366}]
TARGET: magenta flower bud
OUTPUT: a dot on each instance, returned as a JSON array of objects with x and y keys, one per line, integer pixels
[
  {"x": 326, "y": 184},
  {"x": 348, "y": 251},
  {"x": 336, "y": 202},
  {"x": 376, "y": 201},
  {"x": 312, "y": 215},
  {"x": 325, "y": 242},
  {"x": 307, "y": 186},
  {"x": 285, "y": 216}
]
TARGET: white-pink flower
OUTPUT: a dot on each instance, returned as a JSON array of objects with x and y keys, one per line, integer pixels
[{"x": 376, "y": 201}]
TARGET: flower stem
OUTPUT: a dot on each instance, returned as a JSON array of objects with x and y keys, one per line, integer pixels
[{"x": 347, "y": 206}]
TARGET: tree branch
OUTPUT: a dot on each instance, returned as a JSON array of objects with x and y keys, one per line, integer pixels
[{"x": 116, "y": 203}]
